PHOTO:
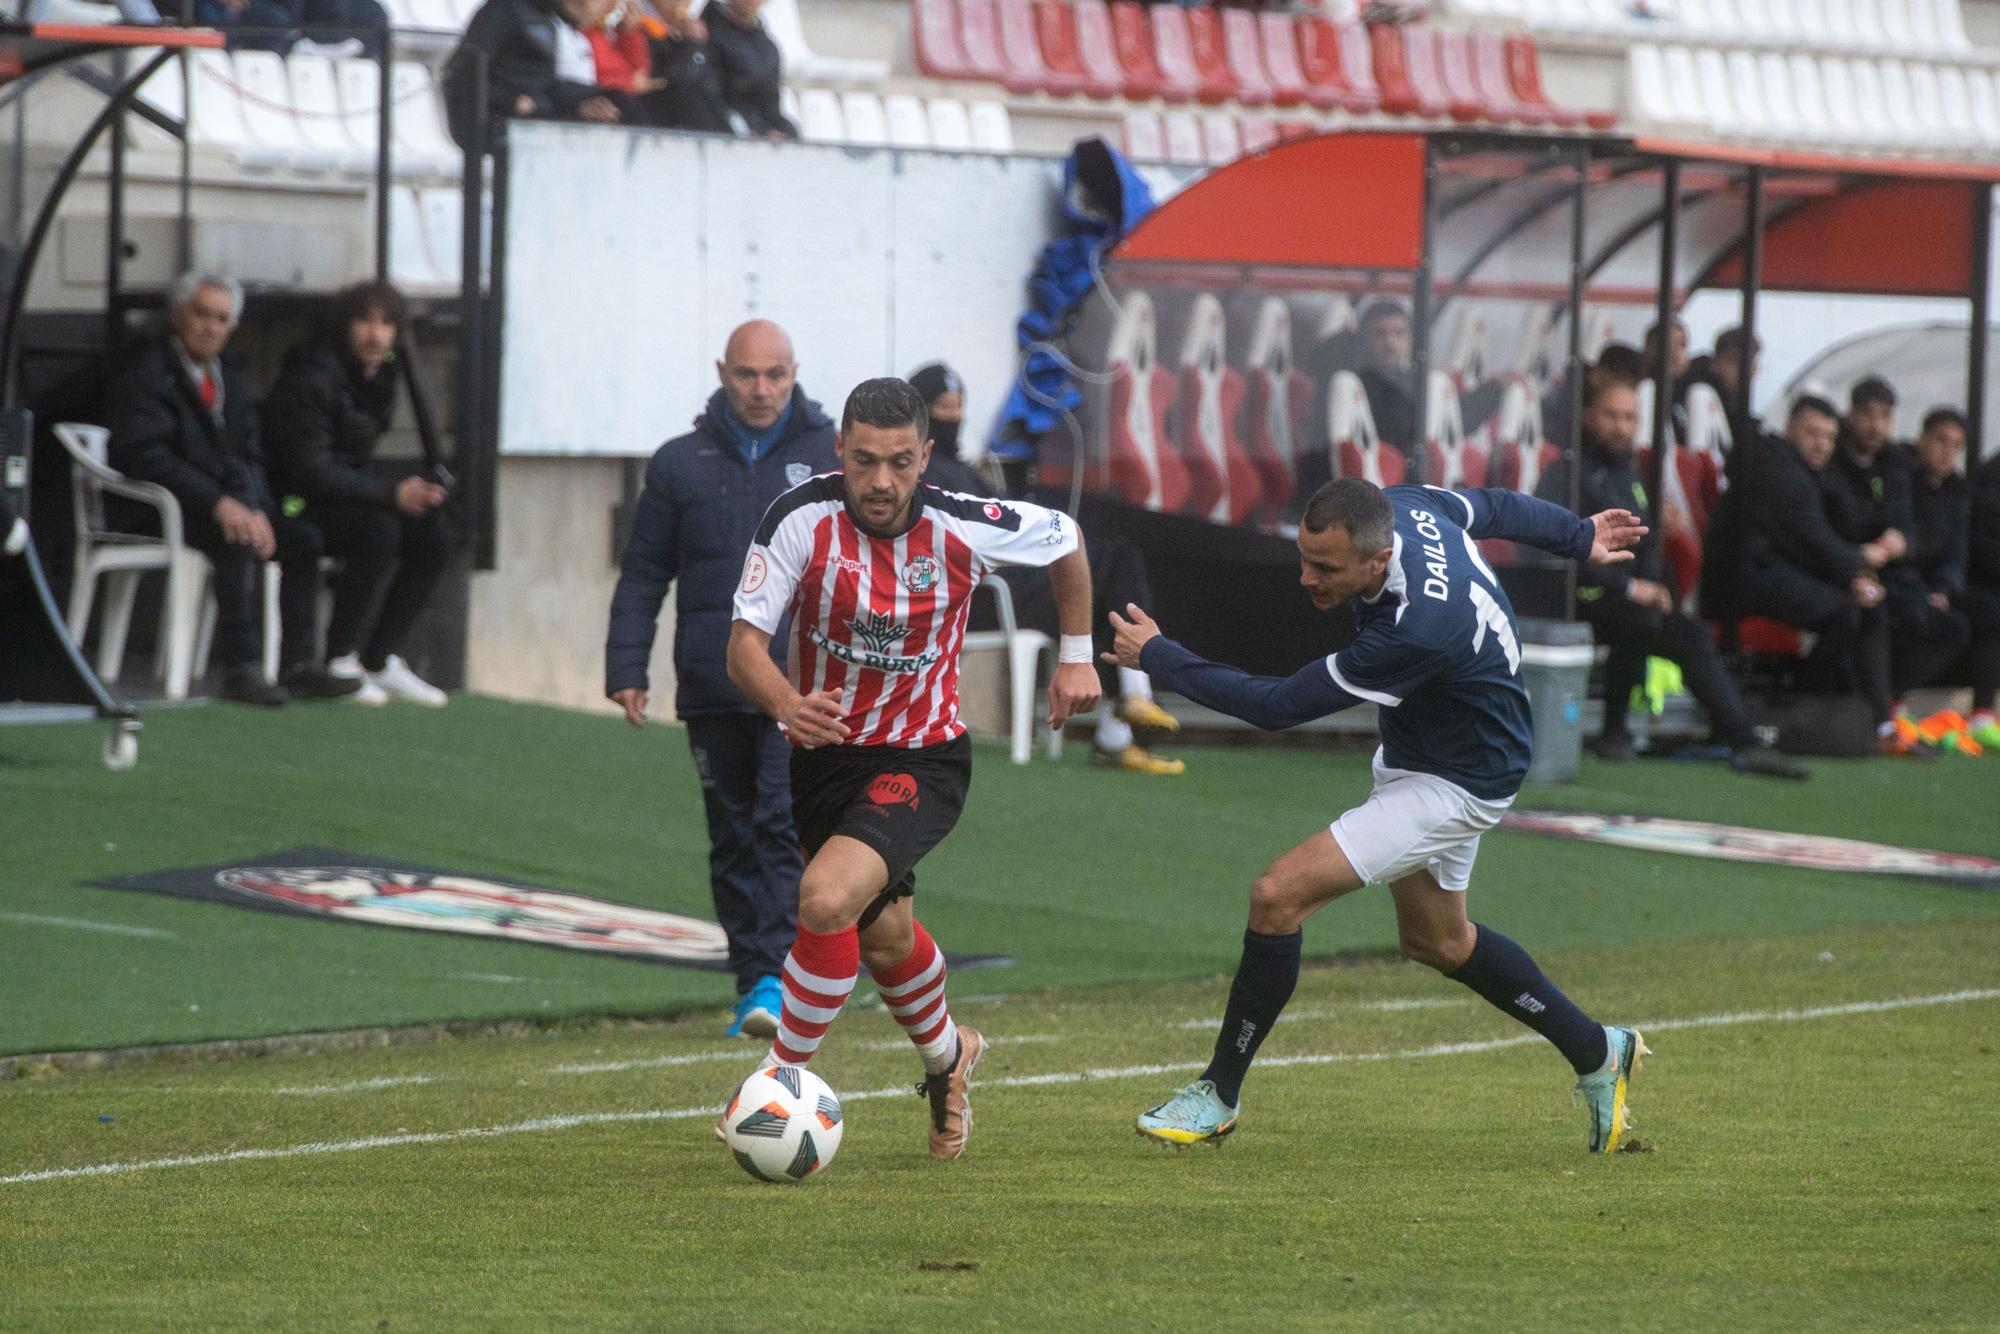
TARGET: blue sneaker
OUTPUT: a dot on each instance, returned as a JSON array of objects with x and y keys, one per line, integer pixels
[
  {"x": 1191, "y": 1116},
  {"x": 757, "y": 1010},
  {"x": 1604, "y": 1092}
]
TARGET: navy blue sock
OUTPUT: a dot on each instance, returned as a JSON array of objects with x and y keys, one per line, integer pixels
[
  {"x": 1264, "y": 981},
  {"x": 1502, "y": 972}
]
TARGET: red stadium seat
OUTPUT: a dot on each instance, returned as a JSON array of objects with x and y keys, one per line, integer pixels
[
  {"x": 1450, "y": 458},
  {"x": 1691, "y": 486},
  {"x": 1244, "y": 49},
  {"x": 1421, "y": 63},
  {"x": 1400, "y": 95},
  {"x": 1327, "y": 63},
  {"x": 979, "y": 35},
  {"x": 1769, "y": 638},
  {"x": 1496, "y": 90},
  {"x": 1281, "y": 59},
  {"x": 1096, "y": 49},
  {"x": 1274, "y": 418},
  {"x": 1454, "y": 58},
  {"x": 1202, "y": 34},
  {"x": 1296, "y": 129},
  {"x": 934, "y": 32},
  {"x": 1223, "y": 484},
  {"x": 1524, "y": 74},
  {"x": 1350, "y": 430},
  {"x": 1143, "y": 467},
  {"x": 1132, "y": 40},
  {"x": 1021, "y": 50},
  {"x": 1175, "y": 49}
]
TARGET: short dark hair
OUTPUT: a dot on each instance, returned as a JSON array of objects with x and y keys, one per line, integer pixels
[
  {"x": 886, "y": 403},
  {"x": 1812, "y": 403},
  {"x": 1652, "y": 340},
  {"x": 1946, "y": 417},
  {"x": 1356, "y": 505},
  {"x": 1379, "y": 308},
  {"x": 1871, "y": 389},
  {"x": 1729, "y": 343},
  {"x": 1622, "y": 361},
  {"x": 1595, "y": 385},
  {"x": 366, "y": 298}
]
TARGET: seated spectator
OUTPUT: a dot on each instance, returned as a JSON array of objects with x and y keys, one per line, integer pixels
[
  {"x": 325, "y": 416},
  {"x": 1930, "y": 586},
  {"x": 1981, "y": 599},
  {"x": 1772, "y": 553},
  {"x": 659, "y": 70},
  {"x": 1722, "y": 371},
  {"x": 183, "y": 418},
  {"x": 750, "y": 67},
  {"x": 1677, "y": 349},
  {"x": 1617, "y": 362},
  {"x": 326, "y": 22},
  {"x": 539, "y": 63},
  {"x": 1632, "y": 609},
  {"x": 1389, "y": 377}
]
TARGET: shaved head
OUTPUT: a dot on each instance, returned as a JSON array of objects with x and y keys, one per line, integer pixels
[{"x": 757, "y": 370}]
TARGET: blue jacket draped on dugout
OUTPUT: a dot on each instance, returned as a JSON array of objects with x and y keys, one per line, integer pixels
[
  {"x": 1437, "y": 649},
  {"x": 694, "y": 521}
]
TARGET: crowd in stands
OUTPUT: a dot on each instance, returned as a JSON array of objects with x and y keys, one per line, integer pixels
[{"x": 290, "y": 481}]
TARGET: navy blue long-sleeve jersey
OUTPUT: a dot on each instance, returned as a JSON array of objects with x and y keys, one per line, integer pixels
[{"x": 1437, "y": 649}]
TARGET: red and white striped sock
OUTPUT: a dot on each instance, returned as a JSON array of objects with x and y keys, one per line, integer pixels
[
  {"x": 819, "y": 972},
  {"x": 914, "y": 992}
]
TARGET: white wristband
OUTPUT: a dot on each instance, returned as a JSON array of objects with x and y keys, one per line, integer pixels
[{"x": 1074, "y": 648}]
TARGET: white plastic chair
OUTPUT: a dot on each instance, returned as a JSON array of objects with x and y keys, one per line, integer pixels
[
  {"x": 1774, "y": 83},
  {"x": 215, "y": 112},
  {"x": 908, "y": 126},
  {"x": 820, "y": 121},
  {"x": 1927, "y": 99},
  {"x": 1955, "y": 99},
  {"x": 316, "y": 102},
  {"x": 867, "y": 124},
  {"x": 1648, "y": 97},
  {"x": 782, "y": 21},
  {"x": 1902, "y": 105},
  {"x": 1746, "y": 89},
  {"x": 951, "y": 124},
  {"x": 1025, "y": 649},
  {"x": 1722, "y": 113},
  {"x": 992, "y": 130},
  {"x": 266, "y": 97},
  {"x": 1684, "y": 86},
  {"x": 1816, "y": 119},
  {"x": 1985, "y": 107}
]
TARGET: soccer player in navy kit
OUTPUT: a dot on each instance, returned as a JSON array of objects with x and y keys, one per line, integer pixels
[{"x": 1437, "y": 652}]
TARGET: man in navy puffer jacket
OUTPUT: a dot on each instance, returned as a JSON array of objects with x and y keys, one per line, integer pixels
[{"x": 759, "y": 437}]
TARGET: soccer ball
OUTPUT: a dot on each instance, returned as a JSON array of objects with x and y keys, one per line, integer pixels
[{"x": 782, "y": 1124}]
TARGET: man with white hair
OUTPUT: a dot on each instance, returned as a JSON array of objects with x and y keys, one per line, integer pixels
[{"x": 182, "y": 418}]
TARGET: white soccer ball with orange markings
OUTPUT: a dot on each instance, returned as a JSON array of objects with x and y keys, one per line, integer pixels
[{"x": 783, "y": 1124}]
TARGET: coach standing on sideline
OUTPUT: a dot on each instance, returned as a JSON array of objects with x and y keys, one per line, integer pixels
[{"x": 759, "y": 437}]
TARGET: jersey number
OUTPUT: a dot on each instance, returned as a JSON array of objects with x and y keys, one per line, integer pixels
[{"x": 1494, "y": 619}]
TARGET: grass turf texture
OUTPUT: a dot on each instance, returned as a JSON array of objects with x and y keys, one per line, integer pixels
[
  {"x": 1083, "y": 876},
  {"x": 1837, "y": 1172}
]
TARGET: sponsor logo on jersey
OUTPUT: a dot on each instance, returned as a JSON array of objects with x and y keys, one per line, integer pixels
[
  {"x": 893, "y": 790},
  {"x": 994, "y": 512},
  {"x": 905, "y": 664},
  {"x": 879, "y": 632},
  {"x": 921, "y": 574},
  {"x": 754, "y": 572},
  {"x": 797, "y": 474}
]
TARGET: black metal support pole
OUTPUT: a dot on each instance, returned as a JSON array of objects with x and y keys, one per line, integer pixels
[
  {"x": 385, "y": 136},
  {"x": 1976, "y": 345},
  {"x": 487, "y": 442},
  {"x": 114, "y": 225},
  {"x": 1420, "y": 325},
  {"x": 1753, "y": 279},
  {"x": 184, "y": 230},
  {"x": 1574, "y": 372},
  {"x": 472, "y": 307},
  {"x": 1665, "y": 310}
]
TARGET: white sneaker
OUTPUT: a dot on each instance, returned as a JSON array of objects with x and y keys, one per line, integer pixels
[
  {"x": 348, "y": 668},
  {"x": 402, "y": 683}
]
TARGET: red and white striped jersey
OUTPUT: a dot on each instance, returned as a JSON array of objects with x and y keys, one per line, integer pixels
[{"x": 882, "y": 619}]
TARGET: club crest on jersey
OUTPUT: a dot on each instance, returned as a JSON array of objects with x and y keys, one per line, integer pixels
[
  {"x": 796, "y": 474},
  {"x": 920, "y": 575},
  {"x": 994, "y": 511}
]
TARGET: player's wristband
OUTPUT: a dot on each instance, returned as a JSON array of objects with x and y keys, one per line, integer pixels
[{"x": 1074, "y": 648}]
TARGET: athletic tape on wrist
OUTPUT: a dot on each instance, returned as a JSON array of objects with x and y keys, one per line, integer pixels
[{"x": 1074, "y": 648}]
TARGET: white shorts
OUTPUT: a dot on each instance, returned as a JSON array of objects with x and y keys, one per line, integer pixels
[{"x": 1414, "y": 822}]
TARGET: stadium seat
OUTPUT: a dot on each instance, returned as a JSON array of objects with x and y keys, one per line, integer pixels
[
  {"x": 438, "y": 16},
  {"x": 951, "y": 124},
  {"x": 1211, "y": 58},
  {"x": 1985, "y": 107},
  {"x": 1488, "y": 59},
  {"x": 1420, "y": 56},
  {"x": 1774, "y": 92},
  {"x": 1055, "y": 34},
  {"x": 820, "y": 121},
  {"x": 1141, "y": 464},
  {"x": 443, "y": 212},
  {"x": 1522, "y": 450},
  {"x": 1243, "y": 47},
  {"x": 1221, "y": 141},
  {"x": 1357, "y": 451},
  {"x": 1898, "y": 94},
  {"x": 1927, "y": 99},
  {"x": 1649, "y": 91},
  {"x": 1870, "y": 101},
  {"x": 410, "y": 260},
  {"x": 788, "y": 103},
  {"x": 979, "y": 38},
  {"x": 1184, "y": 145},
  {"x": 1844, "y": 123},
  {"x": 316, "y": 99},
  {"x": 1222, "y": 484},
  {"x": 934, "y": 40},
  {"x": 215, "y": 112},
  {"x": 1275, "y": 411},
  {"x": 864, "y": 122},
  {"x": 1258, "y": 133},
  {"x": 1180, "y": 80},
  {"x": 1023, "y": 69},
  {"x": 1392, "y": 73},
  {"x": 1096, "y": 46},
  {"x": 1809, "y": 99},
  {"x": 1951, "y": 26},
  {"x": 1449, "y": 458},
  {"x": 1132, "y": 39},
  {"x": 1725, "y": 118},
  {"x": 992, "y": 130},
  {"x": 782, "y": 21},
  {"x": 1524, "y": 72},
  {"x": 1323, "y": 64},
  {"x": 265, "y": 96},
  {"x": 1278, "y": 37},
  {"x": 1144, "y": 137},
  {"x": 1955, "y": 100},
  {"x": 1455, "y": 70},
  {"x": 1707, "y": 421},
  {"x": 423, "y": 145},
  {"x": 908, "y": 126}
]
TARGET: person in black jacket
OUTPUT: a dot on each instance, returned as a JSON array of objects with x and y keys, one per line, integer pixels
[
  {"x": 539, "y": 64},
  {"x": 1631, "y": 608},
  {"x": 1935, "y": 574},
  {"x": 325, "y": 415},
  {"x": 182, "y": 417},
  {"x": 705, "y": 493},
  {"x": 1771, "y": 552},
  {"x": 752, "y": 70},
  {"x": 1981, "y": 599},
  {"x": 1389, "y": 377}
]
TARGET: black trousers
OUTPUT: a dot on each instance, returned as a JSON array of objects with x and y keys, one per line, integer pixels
[
  {"x": 1852, "y": 655},
  {"x": 1634, "y": 633},
  {"x": 238, "y": 604},
  {"x": 754, "y": 862},
  {"x": 1981, "y": 608},
  {"x": 1924, "y": 640},
  {"x": 392, "y": 564}
]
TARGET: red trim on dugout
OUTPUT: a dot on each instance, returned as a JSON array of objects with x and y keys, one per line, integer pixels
[{"x": 1847, "y": 242}]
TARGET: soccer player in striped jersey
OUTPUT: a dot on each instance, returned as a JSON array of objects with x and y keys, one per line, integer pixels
[
  {"x": 875, "y": 571},
  {"x": 1437, "y": 653}
]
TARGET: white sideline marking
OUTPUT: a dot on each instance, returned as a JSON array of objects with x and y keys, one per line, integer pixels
[
  {"x": 490, "y": 977},
  {"x": 82, "y": 924},
  {"x": 747, "y": 1053},
  {"x": 572, "y": 1121},
  {"x": 1007, "y": 1040},
  {"x": 1339, "y": 1011},
  {"x": 358, "y": 1086}
]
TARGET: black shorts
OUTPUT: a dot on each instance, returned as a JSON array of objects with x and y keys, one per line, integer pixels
[{"x": 899, "y": 802}]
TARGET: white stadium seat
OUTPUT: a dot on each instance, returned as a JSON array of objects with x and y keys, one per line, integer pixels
[
  {"x": 788, "y": 104},
  {"x": 316, "y": 100},
  {"x": 992, "y": 130},
  {"x": 1722, "y": 113},
  {"x": 266, "y": 97},
  {"x": 820, "y": 121},
  {"x": 1145, "y": 139},
  {"x": 1985, "y": 107},
  {"x": 443, "y": 209},
  {"x": 1746, "y": 90},
  {"x": 1810, "y": 98},
  {"x": 409, "y": 253},
  {"x": 951, "y": 124},
  {"x": 908, "y": 126},
  {"x": 782, "y": 21},
  {"x": 1183, "y": 138},
  {"x": 423, "y": 145},
  {"x": 867, "y": 124},
  {"x": 1221, "y": 144},
  {"x": 215, "y": 112}
]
